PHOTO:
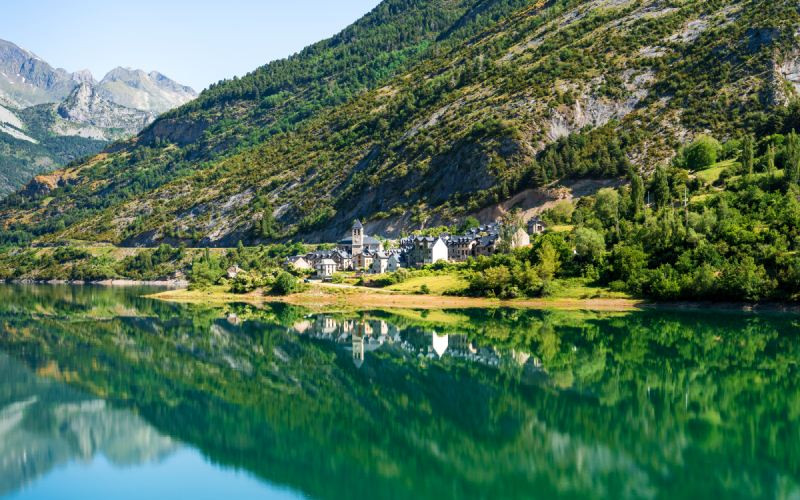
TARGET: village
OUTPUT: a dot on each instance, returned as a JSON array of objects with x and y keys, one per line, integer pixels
[{"x": 364, "y": 254}]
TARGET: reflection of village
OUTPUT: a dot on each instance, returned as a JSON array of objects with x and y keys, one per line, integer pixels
[{"x": 365, "y": 335}]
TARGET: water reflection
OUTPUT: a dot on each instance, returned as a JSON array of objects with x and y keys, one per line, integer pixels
[
  {"x": 438, "y": 404},
  {"x": 364, "y": 335},
  {"x": 45, "y": 424}
]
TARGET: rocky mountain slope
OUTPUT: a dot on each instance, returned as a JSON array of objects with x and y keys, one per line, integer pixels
[
  {"x": 407, "y": 126},
  {"x": 49, "y": 117},
  {"x": 27, "y": 80}
]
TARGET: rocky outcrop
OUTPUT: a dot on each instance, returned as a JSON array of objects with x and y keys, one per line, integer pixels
[
  {"x": 180, "y": 131},
  {"x": 42, "y": 185},
  {"x": 84, "y": 105}
]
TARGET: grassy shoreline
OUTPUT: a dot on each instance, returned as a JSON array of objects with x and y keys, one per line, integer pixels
[
  {"x": 331, "y": 298},
  {"x": 321, "y": 297}
]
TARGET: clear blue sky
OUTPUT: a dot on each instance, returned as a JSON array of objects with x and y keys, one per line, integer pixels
[{"x": 194, "y": 42}]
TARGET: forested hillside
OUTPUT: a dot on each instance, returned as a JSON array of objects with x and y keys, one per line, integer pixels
[{"x": 424, "y": 112}]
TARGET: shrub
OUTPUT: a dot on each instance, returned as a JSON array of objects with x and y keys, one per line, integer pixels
[
  {"x": 702, "y": 153},
  {"x": 285, "y": 284}
]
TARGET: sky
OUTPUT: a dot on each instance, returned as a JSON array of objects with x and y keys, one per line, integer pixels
[{"x": 195, "y": 43}]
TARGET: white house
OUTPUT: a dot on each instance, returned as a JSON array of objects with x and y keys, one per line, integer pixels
[
  {"x": 393, "y": 264},
  {"x": 326, "y": 268},
  {"x": 299, "y": 262},
  {"x": 380, "y": 263},
  {"x": 520, "y": 239},
  {"x": 233, "y": 271},
  {"x": 427, "y": 250}
]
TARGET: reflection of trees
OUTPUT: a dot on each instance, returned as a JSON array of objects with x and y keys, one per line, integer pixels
[{"x": 622, "y": 405}]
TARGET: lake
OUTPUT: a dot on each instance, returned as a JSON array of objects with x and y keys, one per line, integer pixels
[{"x": 105, "y": 394}]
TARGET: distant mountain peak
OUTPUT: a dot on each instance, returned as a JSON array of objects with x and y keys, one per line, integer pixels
[
  {"x": 151, "y": 91},
  {"x": 84, "y": 76}
]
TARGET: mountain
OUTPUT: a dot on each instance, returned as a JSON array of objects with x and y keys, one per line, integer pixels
[
  {"x": 424, "y": 112},
  {"x": 151, "y": 92},
  {"x": 49, "y": 117},
  {"x": 27, "y": 80}
]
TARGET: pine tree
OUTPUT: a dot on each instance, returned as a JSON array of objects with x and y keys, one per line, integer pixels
[
  {"x": 637, "y": 192},
  {"x": 771, "y": 160}
]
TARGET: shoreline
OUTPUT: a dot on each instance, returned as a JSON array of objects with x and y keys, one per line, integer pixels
[
  {"x": 172, "y": 284},
  {"x": 371, "y": 300},
  {"x": 334, "y": 298},
  {"x": 354, "y": 298}
]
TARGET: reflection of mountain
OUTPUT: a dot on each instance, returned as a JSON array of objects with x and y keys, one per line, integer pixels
[
  {"x": 520, "y": 403},
  {"x": 45, "y": 423}
]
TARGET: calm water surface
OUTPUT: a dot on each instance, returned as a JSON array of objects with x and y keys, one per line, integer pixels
[{"x": 104, "y": 394}]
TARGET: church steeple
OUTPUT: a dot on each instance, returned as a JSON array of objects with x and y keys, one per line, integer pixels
[{"x": 357, "y": 245}]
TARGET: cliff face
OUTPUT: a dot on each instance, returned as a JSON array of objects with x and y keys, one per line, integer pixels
[{"x": 85, "y": 106}]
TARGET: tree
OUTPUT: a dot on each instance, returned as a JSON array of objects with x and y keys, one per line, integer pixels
[
  {"x": 510, "y": 224},
  {"x": 702, "y": 152},
  {"x": 660, "y": 187},
  {"x": 606, "y": 206},
  {"x": 285, "y": 284},
  {"x": 747, "y": 154},
  {"x": 562, "y": 212},
  {"x": 637, "y": 192},
  {"x": 469, "y": 223},
  {"x": 268, "y": 226},
  {"x": 589, "y": 244},
  {"x": 792, "y": 169},
  {"x": 771, "y": 160},
  {"x": 549, "y": 262}
]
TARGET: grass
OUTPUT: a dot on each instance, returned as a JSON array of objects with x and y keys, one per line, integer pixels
[
  {"x": 578, "y": 288},
  {"x": 711, "y": 175},
  {"x": 700, "y": 198},
  {"x": 561, "y": 228},
  {"x": 437, "y": 284}
]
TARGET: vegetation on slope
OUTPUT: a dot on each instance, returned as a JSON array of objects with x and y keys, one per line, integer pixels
[{"x": 471, "y": 117}]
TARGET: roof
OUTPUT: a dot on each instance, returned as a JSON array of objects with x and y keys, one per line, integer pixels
[
  {"x": 537, "y": 220},
  {"x": 327, "y": 262},
  {"x": 357, "y": 224}
]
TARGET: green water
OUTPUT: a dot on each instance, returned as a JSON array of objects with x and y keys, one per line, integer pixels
[{"x": 104, "y": 394}]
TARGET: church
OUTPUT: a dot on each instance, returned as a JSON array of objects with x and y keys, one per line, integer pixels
[{"x": 358, "y": 242}]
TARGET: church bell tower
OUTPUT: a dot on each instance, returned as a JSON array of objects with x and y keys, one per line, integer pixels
[{"x": 357, "y": 245}]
